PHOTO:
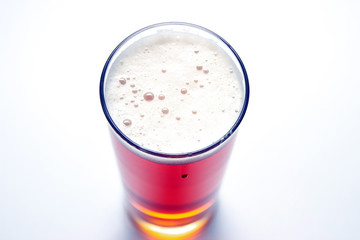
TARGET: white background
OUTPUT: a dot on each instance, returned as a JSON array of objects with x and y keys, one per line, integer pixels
[{"x": 295, "y": 170}]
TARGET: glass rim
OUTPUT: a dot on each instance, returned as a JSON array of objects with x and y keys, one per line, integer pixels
[{"x": 174, "y": 155}]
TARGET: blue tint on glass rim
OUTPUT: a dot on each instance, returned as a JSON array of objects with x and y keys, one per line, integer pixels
[{"x": 169, "y": 155}]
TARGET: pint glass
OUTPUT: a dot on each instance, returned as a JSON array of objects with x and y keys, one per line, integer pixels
[{"x": 171, "y": 194}]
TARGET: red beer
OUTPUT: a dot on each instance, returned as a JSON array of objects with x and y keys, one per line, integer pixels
[
  {"x": 171, "y": 195},
  {"x": 171, "y": 188}
]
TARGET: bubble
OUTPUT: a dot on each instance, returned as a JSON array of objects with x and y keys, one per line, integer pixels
[
  {"x": 132, "y": 85},
  {"x": 199, "y": 67},
  {"x": 201, "y": 85},
  {"x": 163, "y": 70},
  {"x": 149, "y": 96},
  {"x": 165, "y": 110},
  {"x": 142, "y": 115},
  {"x": 196, "y": 51},
  {"x": 194, "y": 111},
  {"x": 196, "y": 80},
  {"x": 206, "y": 71},
  {"x": 178, "y": 118},
  {"x": 127, "y": 122},
  {"x": 122, "y": 81},
  {"x": 183, "y": 90},
  {"x": 187, "y": 83},
  {"x": 134, "y": 91},
  {"x": 121, "y": 98},
  {"x": 161, "y": 96},
  {"x": 136, "y": 105}
]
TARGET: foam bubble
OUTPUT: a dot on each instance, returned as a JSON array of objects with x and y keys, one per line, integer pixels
[
  {"x": 122, "y": 81},
  {"x": 148, "y": 96},
  {"x": 127, "y": 122},
  {"x": 161, "y": 96},
  {"x": 165, "y": 110}
]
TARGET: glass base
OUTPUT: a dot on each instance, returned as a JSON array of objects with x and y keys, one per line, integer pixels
[{"x": 157, "y": 225}]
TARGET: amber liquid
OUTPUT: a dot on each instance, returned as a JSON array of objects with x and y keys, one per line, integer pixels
[{"x": 171, "y": 195}]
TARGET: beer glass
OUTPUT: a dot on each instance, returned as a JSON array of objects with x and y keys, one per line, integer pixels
[{"x": 172, "y": 195}]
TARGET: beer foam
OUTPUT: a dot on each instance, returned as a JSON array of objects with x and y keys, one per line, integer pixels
[{"x": 174, "y": 92}]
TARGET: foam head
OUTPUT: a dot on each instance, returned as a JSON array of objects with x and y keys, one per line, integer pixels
[{"x": 175, "y": 89}]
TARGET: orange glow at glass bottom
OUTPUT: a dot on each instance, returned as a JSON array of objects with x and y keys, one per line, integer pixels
[
  {"x": 171, "y": 226},
  {"x": 181, "y": 232},
  {"x": 192, "y": 213}
]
